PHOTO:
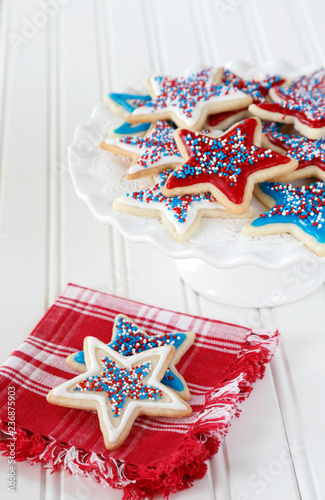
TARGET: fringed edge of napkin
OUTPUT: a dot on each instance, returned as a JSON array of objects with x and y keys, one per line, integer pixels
[{"x": 187, "y": 464}]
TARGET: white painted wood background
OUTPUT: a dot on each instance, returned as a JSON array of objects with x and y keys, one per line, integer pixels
[{"x": 53, "y": 69}]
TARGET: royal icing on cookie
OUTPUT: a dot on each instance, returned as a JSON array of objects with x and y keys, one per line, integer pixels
[
  {"x": 180, "y": 214},
  {"x": 303, "y": 206},
  {"x": 186, "y": 97},
  {"x": 257, "y": 89},
  {"x": 224, "y": 165},
  {"x": 129, "y": 102},
  {"x": 132, "y": 128},
  {"x": 227, "y": 118},
  {"x": 157, "y": 150},
  {"x": 303, "y": 104},
  {"x": 299, "y": 211},
  {"x": 121, "y": 388},
  {"x": 308, "y": 152},
  {"x": 120, "y": 383},
  {"x": 128, "y": 339}
]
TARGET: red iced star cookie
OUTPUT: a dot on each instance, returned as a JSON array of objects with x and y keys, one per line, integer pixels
[
  {"x": 310, "y": 154},
  {"x": 258, "y": 89},
  {"x": 302, "y": 104},
  {"x": 190, "y": 99},
  {"x": 227, "y": 166}
]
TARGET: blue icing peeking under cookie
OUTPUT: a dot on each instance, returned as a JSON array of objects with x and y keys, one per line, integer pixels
[
  {"x": 130, "y": 102},
  {"x": 129, "y": 340}
]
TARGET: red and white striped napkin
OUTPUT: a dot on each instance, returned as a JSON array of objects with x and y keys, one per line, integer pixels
[{"x": 161, "y": 455}]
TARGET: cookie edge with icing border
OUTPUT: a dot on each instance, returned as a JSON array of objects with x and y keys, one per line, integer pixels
[{"x": 60, "y": 396}]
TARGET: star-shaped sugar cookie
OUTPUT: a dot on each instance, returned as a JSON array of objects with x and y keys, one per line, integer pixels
[
  {"x": 120, "y": 389},
  {"x": 151, "y": 154},
  {"x": 181, "y": 215},
  {"x": 301, "y": 104},
  {"x": 257, "y": 89},
  {"x": 128, "y": 339},
  {"x": 227, "y": 166},
  {"x": 190, "y": 99},
  {"x": 122, "y": 103},
  {"x": 298, "y": 211},
  {"x": 309, "y": 153}
]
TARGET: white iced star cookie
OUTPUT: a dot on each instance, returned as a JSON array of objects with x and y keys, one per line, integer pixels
[
  {"x": 181, "y": 215},
  {"x": 151, "y": 154},
  {"x": 120, "y": 389},
  {"x": 188, "y": 100}
]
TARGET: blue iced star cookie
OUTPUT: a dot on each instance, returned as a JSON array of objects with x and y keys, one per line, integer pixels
[
  {"x": 128, "y": 102},
  {"x": 309, "y": 153},
  {"x": 128, "y": 339},
  {"x": 299, "y": 211}
]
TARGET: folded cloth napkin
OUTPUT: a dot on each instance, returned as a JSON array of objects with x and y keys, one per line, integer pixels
[{"x": 160, "y": 455}]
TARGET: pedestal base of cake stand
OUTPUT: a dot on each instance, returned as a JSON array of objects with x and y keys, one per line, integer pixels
[{"x": 251, "y": 285}]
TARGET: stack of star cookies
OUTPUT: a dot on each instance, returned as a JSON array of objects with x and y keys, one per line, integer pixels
[
  {"x": 135, "y": 374},
  {"x": 297, "y": 209},
  {"x": 201, "y": 168}
]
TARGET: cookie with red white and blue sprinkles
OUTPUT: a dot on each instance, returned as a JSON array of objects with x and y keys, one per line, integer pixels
[
  {"x": 121, "y": 388},
  {"x": 302, "y": 104},
  {"x": 227, "y": 166},
  {"x": 299, "y": 211},
  {"x": 181, "y": 215},
  {"x": 258, "y": 89},
  {"x": 128, "y": 339},
  {"x": 188, "y": 100},
  {"x": 309, "y": 153},
  {"x": 151, "y": 154}
]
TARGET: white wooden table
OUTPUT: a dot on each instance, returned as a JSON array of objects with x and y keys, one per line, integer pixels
[{"x": 53, "y": 68}]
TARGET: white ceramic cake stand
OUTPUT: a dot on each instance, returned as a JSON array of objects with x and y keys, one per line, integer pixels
[{"x": 217, "y": 262}]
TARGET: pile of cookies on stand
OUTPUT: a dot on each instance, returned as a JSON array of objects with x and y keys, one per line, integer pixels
[{"x": 210, "y": 140}]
